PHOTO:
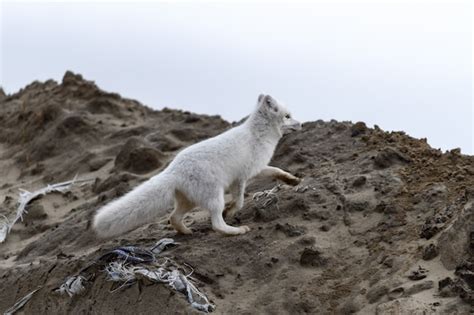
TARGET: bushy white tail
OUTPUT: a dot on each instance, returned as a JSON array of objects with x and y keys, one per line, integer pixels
[{"x": 140, "y": 206}]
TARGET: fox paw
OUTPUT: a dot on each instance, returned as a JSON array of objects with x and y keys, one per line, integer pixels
[
  {"x": 244, "y": 229},
  {"x": 289, "y": 179}
]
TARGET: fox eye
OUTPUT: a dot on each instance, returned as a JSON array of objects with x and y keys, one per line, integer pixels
[{"x": 287, "y": 116}]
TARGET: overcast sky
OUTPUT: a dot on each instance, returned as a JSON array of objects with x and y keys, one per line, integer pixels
[{"x": 404, "y": 65}]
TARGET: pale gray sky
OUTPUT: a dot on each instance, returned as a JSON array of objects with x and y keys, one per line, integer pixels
[{"x": 404, "y": 65}]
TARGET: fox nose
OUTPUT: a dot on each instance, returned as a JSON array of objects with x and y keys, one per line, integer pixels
[{"x": 296, "y": 125}]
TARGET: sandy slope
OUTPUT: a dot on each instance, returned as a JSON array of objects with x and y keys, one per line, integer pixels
[{"x": 373, "y": 207}]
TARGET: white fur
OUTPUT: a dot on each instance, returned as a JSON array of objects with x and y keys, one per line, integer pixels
[{"x": 200, "y": 174}]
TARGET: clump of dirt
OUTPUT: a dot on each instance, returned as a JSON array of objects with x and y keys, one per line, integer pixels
[
  {"x": 138, "y": 157},
  {"x": 381, "y": 223}
]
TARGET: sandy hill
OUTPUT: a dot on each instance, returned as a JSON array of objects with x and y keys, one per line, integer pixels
[{"x": 382, "y": 223}]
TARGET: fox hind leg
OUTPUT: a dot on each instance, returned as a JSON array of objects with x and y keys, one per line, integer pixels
[
  {"x": 181, "y": 207},
  {"x": 216, "y": 208}
]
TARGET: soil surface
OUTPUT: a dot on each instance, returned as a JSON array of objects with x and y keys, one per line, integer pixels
[{"x": 381, "y": 224}]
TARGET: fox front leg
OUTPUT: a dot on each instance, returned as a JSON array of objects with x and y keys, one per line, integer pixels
[
  {"x": 237, "y": 191},
  {"x": 280, "y": 174}
]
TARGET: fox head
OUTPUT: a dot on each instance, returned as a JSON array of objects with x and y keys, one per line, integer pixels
[{"x": 277, "y": 113}]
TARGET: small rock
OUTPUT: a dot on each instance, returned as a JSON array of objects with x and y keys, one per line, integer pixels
[
  {"x": 428, "y": 230},
  {"x": 312, "y": 258},
  {"x": 465, "y": 271},
  {"x": 290, "y": 230},
  {"x": 325, "y": 227},
  {"x": 136, "y": 157},
  {"x": 447, "y": 287},
  {"x": 418, "y": 274},
  {"x": 356, "y": 205},
  {"x": 359, "y": 181},
  {"x": 358, "y": 128},
  {"x": 430, "y": 252}
]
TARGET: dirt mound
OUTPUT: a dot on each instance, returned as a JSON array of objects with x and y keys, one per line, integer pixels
[
  {"x": 381, "y": 223},
  {"x": 138, "y": 157}
]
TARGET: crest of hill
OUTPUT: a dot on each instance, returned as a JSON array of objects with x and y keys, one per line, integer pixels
[{"x": 75, "y": 121}]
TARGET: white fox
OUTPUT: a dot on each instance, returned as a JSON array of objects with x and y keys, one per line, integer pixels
[{"x": 199, "y": 175}]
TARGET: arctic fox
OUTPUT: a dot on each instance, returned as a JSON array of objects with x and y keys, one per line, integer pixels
[{"x": 199, "y": 175}]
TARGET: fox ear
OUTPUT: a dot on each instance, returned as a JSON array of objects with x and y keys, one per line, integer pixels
[
  {"x": 269, "y": 102},
  {"x": 260, "y": 97}
]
